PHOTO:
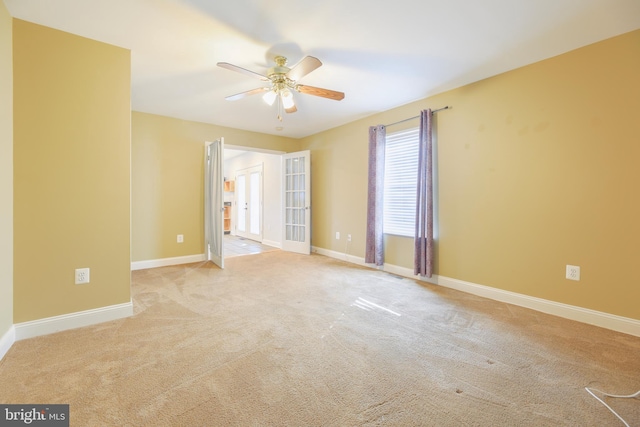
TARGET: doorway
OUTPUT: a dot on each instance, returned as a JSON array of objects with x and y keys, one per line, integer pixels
[
  {"x": 283, "y": 190},
  {"x": 249, "y": 203},
  {"x": 238, "y": 246},
  {"x": 240, "y": 161}
]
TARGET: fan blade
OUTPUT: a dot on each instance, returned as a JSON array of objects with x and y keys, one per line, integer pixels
[
  {"x": 293, "y": 109},
  {"x": 316, "y": 91},
  {"x": 243, "y": 71},
  {"x": 304, "y": 67},
  {"x": 247, "y": 93}
]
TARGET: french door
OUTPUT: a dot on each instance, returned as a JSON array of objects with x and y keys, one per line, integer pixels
[
  {"x": 249, "y": 203},
  {"x": 297, "y": 202}
]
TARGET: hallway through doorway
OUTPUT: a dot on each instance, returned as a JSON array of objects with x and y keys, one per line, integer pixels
[{"x": 236, "y": 246}]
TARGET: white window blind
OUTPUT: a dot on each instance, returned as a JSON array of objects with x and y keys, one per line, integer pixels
[{"x": 400, "y": 180}]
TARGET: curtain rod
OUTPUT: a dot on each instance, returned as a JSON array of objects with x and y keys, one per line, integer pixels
[{"x": 411, "y": 118}]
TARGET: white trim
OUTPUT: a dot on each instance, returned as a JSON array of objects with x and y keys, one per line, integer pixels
[
  {"x": 584, "y": 315},
  {"x": 164, "y": 262},
  {"x": 253, "y": 149},
  {"x": 7, "y": 341},
  {"x": 592, "y": 317},
  {"x": 272, "y": 243},
  {"x": 78, "y": 319},
  {"x": 341, "y": 256}
]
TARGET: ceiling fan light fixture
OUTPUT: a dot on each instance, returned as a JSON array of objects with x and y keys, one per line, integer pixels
[
  {"x": 287, "y": 99},
  {"x": 270, "y": 97}
]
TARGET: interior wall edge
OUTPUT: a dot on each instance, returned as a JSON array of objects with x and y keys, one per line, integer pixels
[
  {"x": 6, "y": 178},
  {"x": 7, "y": 340}
]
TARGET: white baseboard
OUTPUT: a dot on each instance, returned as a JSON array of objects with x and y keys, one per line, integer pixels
[
  {"x": 342, "y": 257},
  {"x": 7, "y": 341},
  {"x": 592, "y": 317},
  {"x": 78, "y": 319},
  {"x": 584, "y": 315},
  {"x": 272, "y": 243},
  {"x": 164, "y": 262}
]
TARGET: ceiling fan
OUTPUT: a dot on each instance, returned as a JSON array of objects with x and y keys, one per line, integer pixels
[{"x": 283, "y": 80}]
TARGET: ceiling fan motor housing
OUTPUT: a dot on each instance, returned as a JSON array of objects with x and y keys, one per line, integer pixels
[
  {"x": 280, "y": 68},
  {"x": 278, "y": 75}
]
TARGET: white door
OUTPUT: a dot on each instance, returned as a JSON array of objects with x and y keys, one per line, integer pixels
[
  {"x": 241, "y": 205},
  {"x": 297, "y": 202},
  {"x": 213, "y": 202},
  {"x": 249, "y": 203}
]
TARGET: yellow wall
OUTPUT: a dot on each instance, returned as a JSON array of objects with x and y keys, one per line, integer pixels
[
  {"x": 71, "y": 172},
  {"x": 168, "y": 179},
  {"x": 6, "y": 172},
  {"x": 537, "y": 168}
]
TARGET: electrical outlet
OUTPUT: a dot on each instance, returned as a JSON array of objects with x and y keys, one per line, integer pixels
[
  {"x": 573, "y": 272},
  {"x": 180, "y": 238},
  {"x": 337, "y": 235},
  {"x": 348, "y": 237},
  {"x": 82, "y": 276}
]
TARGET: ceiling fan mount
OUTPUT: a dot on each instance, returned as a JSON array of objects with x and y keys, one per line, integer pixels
[
  {"x": 280, "y": 67},
  {"x": 278, "y": 76},
  {"x": 283, "y": 80}
]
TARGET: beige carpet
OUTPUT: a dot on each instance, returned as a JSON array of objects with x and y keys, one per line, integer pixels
[{"x": 290, "y": 340}]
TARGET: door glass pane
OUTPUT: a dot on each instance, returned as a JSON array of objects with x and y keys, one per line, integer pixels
[
  {"x": 295, "y": 199},
  {"x": 242, "y": 203}
]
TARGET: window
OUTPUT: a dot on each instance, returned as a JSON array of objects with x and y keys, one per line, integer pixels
[{"x": 400, "y": 180}]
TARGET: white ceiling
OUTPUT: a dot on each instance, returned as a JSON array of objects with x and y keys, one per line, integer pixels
[{"x": 382, "y": 54}]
